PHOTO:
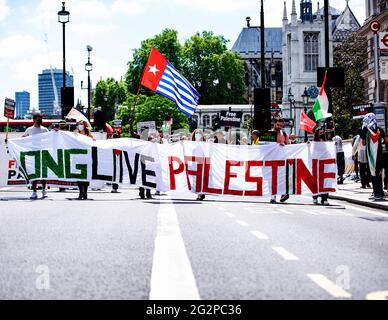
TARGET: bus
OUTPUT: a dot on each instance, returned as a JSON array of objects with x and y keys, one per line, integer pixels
[{"x": 22, "y": 125}]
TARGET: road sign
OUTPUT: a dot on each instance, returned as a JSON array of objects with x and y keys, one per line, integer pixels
[
  {"x": 146, "y": 125},
  {"x": 384, "y": 68},
  {"x": 117, "y": 125},
  {"x": 9, "y": 108},
  {"x": 383, "y": 36},
  {"x": 375, "y": 26}
]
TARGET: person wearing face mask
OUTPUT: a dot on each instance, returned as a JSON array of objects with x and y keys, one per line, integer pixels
[
  {"x": 36, "y": 130},
  {"x": 84, "y": 129}
]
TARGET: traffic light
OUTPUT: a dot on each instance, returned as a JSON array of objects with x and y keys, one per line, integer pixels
[{"x": 67, "y": 100}]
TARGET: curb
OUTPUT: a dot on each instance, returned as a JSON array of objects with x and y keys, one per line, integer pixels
[{"x": 374, "y": 205}]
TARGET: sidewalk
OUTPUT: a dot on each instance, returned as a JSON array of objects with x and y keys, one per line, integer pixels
[{"x": 351, "y": 192}]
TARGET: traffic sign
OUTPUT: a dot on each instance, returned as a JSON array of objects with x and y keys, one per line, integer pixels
[
  {"x": 375, "y": 26},
  {"x": 383, "y": 36}
]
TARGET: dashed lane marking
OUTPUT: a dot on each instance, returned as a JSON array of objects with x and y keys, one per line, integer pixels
[
  {"x": 242, "y": 223},
  {"x": 230, "y": 214},
  {"x": 172, "y": 277},
  {"x": 260, "y": 235},
  {"x": 378, "y": 295},
  {"x": 285, "y": 254},
  {"x": 285, "y": 211},
  {"x": 329, "y": 286}
]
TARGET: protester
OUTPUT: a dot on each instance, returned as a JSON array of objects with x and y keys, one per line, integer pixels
[
  {"x": 198, "y": 136},
  {"x": 372, "y": 137},
  {"x": 36, "y": 130},
  {"x": 293, "y": 139},
  {"x": 340, "y": 158},
  {"x": 115, "y": 186},
  {"x": 282, "y": 139},
  {"x": 385, "y": 155},
  {"x": 255, "y": 137},
  {"x": 355, "y": 156},
  {"x": 320, "y": 136},
  {"x": 359, "y": 154},
  {"x": 84, "y": 129}
]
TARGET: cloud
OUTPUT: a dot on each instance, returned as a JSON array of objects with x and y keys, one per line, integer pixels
[{"x": 4, "y": 10}]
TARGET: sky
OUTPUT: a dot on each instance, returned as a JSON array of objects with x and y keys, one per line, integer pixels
[{"x": 31, "y": 37}]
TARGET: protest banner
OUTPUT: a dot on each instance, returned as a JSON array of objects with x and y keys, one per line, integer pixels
[{"x": 199, "y": 167}]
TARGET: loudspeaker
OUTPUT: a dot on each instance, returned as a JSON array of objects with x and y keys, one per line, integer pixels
[
  {"x": 67, "y": 100},
  {"x": 262, "y": 109},
  {"x": 335, "y": 77}
]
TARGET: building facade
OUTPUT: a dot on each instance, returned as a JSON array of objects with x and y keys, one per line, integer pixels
[
  {"x": 375, "y": 10},
  {"x": 304, "y": 51},
  {"x": 248, "y": 47},
  {"x": 22, "y": 101},
  {"x": 50, "y": 82}
]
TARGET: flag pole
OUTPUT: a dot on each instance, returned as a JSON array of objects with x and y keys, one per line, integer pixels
[{"x": 6, "y": 133}]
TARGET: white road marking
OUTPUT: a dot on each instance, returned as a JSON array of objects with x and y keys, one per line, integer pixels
[
  {"x": 313, "y": 212},
  {"x": 379, "y": 295},
  {"x": 260, "y": 235},
  {"x": 329, "y": 286},
  {"x": 172, "y": 277},
  {"x": 229, "y": 214},
  {"x": 285, "y": 254},
  {"x": 222, "y": 208},
  {"x": 285, "y": 211},
  {"x": 242, "y": 223}
]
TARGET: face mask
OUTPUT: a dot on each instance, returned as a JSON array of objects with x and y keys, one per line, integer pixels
[
  {"x": 81, "y": 127},
  {"x": 198, "y": 137}
]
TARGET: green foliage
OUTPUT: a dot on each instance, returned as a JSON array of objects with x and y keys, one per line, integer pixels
[
  {"x": 109, "y": 95},
  {"x": 166, "y": 42},
  {"x": 215, "y": 72},
  {"x": 204, "y": 59},
  {"x": 352, "y": 56}
]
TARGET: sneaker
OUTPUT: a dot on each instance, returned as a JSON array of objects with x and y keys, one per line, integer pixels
[
  {"x": 315, "y": 201},
  {"x": 272, "y": 201},
  {"x": 325, "y": 203},
  {"x": 284, "y": 198},
  {"x": 34, "y": 196},
  {"x": 44, "y": 194},
  {"x": 378, "y": 199}
]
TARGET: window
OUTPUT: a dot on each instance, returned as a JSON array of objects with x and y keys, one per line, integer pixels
[
  {"x": 311, "y": 51},
  {"x": 214, "y": 117},
  {"x": 206, "y": 121},
  {"x": 289, "y": 52}
]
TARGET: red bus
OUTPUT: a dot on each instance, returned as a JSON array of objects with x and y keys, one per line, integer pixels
[{"x": 22, "y": 125}]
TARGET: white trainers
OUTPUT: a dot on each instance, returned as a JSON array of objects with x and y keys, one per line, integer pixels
[
  {"x": 325, "y": 203},
  {"x": 34, "y": 196},
  {"x": 44, "y": 194}
]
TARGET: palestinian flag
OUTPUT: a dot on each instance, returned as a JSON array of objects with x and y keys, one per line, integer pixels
[
  {"x": 321, "y": 105},
  {"x": 372, "y": 147}
]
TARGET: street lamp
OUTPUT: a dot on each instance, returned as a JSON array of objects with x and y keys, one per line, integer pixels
[
  {"x": 63, "y": 17},
  {"x": 89, "y": 68},
  {"x": 305, "y": 97}
]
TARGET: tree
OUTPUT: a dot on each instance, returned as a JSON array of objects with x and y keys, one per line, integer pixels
[
  {"x": 166, "y": 42},
  {"x": 152, "y": 108},
  {"x": 217, "y": 74},
  {"x": 352, "y": 56},
  {"x": 109, "y": 95}
]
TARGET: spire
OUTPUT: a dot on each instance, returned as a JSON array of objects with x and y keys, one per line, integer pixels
[
  {"x": 285, "y": 11},
  {"x": 293, "y": 8}
]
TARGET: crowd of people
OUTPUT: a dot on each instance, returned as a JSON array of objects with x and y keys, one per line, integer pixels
[{"x": 369, "y": 152}]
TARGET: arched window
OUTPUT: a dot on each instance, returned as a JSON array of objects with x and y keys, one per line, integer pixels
[
  {"x": 206, "y": 120},
  {"x": 311, "y": 51}
]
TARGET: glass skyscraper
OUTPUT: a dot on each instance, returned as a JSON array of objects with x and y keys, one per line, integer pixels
[
  {"x": 46, "y": 81},
  {"x": 22, "y": 100}
]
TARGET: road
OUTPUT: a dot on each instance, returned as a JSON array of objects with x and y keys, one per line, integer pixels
[{"x": 117, "y": 246}]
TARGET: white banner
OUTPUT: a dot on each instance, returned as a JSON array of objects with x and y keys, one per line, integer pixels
[{"x": 200, "y": 167}]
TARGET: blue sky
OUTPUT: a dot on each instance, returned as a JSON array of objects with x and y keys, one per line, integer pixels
[{"x": 113, "y": 28}]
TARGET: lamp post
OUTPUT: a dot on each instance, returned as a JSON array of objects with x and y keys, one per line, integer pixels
[
  {"x": 89, "y": 68},
  {"x": 63, "y": 17},
  {"x": 305, "y": 97}
]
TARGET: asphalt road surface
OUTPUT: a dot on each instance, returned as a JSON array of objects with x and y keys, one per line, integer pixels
[{"x": 116, "y": 246}]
